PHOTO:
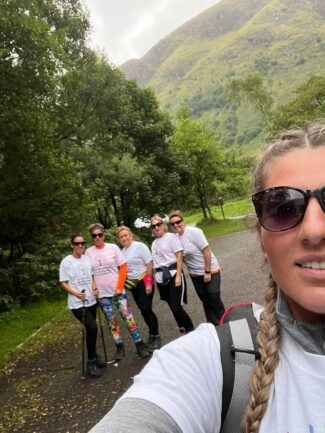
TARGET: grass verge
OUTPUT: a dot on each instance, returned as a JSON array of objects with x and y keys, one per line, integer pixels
[
  {"x": 17, "y": 325},
  {"x": 230, "y": 210},
  {"x": 221, "y": 227}
]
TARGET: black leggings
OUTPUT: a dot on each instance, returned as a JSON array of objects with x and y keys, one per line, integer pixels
[
  {"x": 175, "y": 296},
  {"x": 144, "y": 303},
  {"x": 90, "y": 326},
  {"x": 209, "y": 293}
]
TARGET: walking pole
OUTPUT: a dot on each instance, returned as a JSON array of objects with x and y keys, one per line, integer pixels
[
  {"x": 101, "y": 330},
  {"x": 83, "y": 372}
]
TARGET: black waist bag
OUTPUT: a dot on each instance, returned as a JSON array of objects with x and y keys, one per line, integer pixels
[{"x": 166, "y": 275}]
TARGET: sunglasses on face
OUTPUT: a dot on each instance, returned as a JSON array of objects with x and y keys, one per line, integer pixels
[
  {"x": 79, "y": 244},
  {"x": 282, "y": 208},
  {"x": 176, "y": 223},
  {"x": 96, "y": 235},
  {"x": 154, "y": 226}
]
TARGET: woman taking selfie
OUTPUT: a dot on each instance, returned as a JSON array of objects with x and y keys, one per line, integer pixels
[{"x": 287, "y": 388}]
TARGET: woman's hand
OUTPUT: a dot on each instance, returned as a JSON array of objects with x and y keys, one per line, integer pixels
[
  {"x": 80, "y": 295},
  {"x": 149, "y": 289},
  {"x": 95, "y": 292},
  {"x": 178, "y": 280}
]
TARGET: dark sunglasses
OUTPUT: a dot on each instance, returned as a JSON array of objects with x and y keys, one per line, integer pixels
[
  {"x": 154, "y": 226},
  {"x": 175, "y": 223},
  {"x": 283, "y": 207},
  {"x": 96, "y": 235},
  {"x": 79, "y": 244}
]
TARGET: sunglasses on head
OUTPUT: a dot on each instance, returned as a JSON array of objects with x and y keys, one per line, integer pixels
[
  {"x": 96, "y": 235},
  {"x": 154, "y": 226},
  {"x": 175, "y": 223},
  {"x": 79, "y": 244},
  {"x": 283, "y": 207}
]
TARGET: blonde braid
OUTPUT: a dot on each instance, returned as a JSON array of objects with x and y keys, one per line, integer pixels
[{"x": 268, "y": 339}]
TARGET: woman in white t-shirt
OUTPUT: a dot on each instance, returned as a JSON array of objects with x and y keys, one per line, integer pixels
[
  {"x": 180, "y": 390},
  {"x": 140, "y": 282},
  {"x": 167, "y": 253},
  {"x": 202, "y": 266},
  {"x": 76, "y": 279}
]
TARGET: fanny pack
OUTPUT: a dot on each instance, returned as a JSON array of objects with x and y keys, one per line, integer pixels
[{"x": 132, "y": 283}]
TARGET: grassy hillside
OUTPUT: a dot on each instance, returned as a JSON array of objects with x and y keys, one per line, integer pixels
[{"x": 283, "y": 40}]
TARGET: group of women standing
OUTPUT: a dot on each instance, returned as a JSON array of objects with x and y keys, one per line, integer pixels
[{"x": 100, "y": 276}]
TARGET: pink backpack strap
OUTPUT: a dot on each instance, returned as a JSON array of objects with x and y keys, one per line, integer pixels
[{"x": 223, "y": 317}]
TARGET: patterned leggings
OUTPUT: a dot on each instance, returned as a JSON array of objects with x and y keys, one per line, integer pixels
[{"x": 121, "y": 303}]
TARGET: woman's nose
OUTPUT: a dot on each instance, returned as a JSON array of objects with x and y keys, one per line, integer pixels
[{"x": 313, "y": 224}]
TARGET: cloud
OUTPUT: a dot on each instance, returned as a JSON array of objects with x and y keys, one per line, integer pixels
[{"x": 129, "y": 28}]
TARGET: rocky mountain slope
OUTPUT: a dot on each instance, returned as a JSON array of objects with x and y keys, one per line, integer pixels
[{"x": 283, "y": 40}]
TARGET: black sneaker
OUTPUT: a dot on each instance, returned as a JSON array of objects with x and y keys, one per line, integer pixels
[
  {"x": 150, "y": 340},
  {"x": 154, "y": 343},
  {"x": 182, "y": 332},
  {"x": 141, "y": 350},
  {"x": 92, "y": 369},
  {"x": 100, "y": 361},
  {"x": 119, "y": 353}
]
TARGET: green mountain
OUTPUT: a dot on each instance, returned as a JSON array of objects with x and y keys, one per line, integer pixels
[{"x": 283, "y": 40}]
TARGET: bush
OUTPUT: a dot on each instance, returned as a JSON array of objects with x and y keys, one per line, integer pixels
[{"x": 35, "y": 275}]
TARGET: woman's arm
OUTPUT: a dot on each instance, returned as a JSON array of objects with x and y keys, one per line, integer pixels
[
  {"x": 179, "y": 262},
  {"x": 207, "y": 263},
  {"x": 148, "y": 278},
  {"x": 66, "y": 286},
  {"x": 142, "y": 415},
  {"x": 121, "y": 278}
]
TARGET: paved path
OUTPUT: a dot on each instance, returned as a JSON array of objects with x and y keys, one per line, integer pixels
[{"x": 39, "y": 395}]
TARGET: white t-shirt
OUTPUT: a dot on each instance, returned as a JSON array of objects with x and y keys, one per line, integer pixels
[
  {"x": 137, "y": 256},
  {"x": 184, "y": 378},
  {"x": 163, "y": 252},
  {"x": 194, "y": 242},
  {"x": 78, "y": 273},
  {"x": 105, "y": 262}
]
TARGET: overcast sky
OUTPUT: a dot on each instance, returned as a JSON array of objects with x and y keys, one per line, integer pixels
[{"x": 127, "y": 29}]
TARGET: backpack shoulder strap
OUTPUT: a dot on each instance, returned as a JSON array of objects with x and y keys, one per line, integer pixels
[{"x": 238, "y": 355}]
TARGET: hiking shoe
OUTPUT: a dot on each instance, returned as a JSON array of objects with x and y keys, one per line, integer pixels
[
  {"x": 92, "y": 369},
  {"x": 153, "y": 343},
  {"x": 150, "y": 340},
  {"x": 182, "y": 331},
  {"x": 119, "y": 353},
  {"x": 141, "y": 350},
  {"x": 100, "y": 361}
]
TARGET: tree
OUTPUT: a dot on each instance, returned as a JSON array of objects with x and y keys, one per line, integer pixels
[
  {"x": 307, "y": 105},
  {"x": 40, "y": 42},
  {"x": 199, "y": 155},
  {"x": 251, "y": 88},
  {"x": 134, "y": 165}
]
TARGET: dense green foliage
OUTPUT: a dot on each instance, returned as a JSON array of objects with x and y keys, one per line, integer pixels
[{"x": 79, "y": 143}]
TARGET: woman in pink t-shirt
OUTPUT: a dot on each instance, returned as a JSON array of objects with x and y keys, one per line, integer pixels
[{"x": 109, "y": 268}]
